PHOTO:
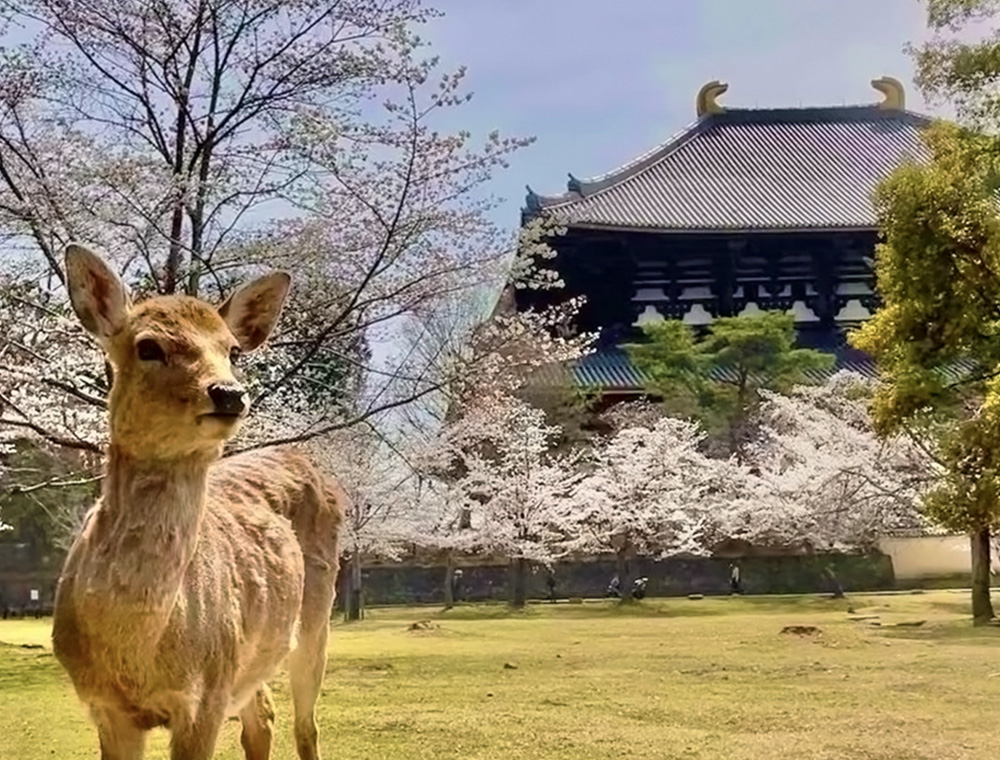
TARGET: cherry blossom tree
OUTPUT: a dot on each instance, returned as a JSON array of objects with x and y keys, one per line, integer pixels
[
  {"x": 44, "y": 353},
  {"x": 483, "y": 347},
  {"x": 507, "y": 489},
  {"x": 820, "y": 478},
  {"x": 816, "y": 477},
  {"x": 443, "y": 525},
  {"x": 201, "y": 141},
  {"x": 482, "y": 353},
  {"x": 648, "y": 492},
  {"x": 381, "y": 490}
]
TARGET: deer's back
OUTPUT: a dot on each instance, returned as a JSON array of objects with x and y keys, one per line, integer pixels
[{"x": 286, "y": 482}]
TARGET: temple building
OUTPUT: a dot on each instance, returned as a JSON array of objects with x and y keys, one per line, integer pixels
[{"x": 744, "y": 210}]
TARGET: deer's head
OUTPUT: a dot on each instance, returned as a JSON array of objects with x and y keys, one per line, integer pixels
[{"x": 176, "y": 391}]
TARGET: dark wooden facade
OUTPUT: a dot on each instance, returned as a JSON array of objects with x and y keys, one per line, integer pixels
[{"x": 627, "y": 278}]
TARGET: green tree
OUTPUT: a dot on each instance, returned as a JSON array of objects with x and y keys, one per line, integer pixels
[
  {"x": 938, "y": 274},
  {"x": 939, "y": 277},
  {"x": 718, "y": 377},
  {"x": 960, "y": 64}
]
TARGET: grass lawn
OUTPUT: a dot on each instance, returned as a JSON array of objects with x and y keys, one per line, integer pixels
[{"x": 671, "y": 678}]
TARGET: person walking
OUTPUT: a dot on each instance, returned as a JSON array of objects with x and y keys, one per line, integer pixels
[
  {"x": 735, "y": 586},
  {"x": 550, "y": 581}
]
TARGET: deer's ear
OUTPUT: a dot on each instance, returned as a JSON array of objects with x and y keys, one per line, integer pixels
[
  {"x": 96, "y": 292},
  {"x": 253, "y": 310}
]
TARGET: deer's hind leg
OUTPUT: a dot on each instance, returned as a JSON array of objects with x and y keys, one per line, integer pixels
[
  {"x": 258, "y": 725},
  {"x": 307, "y": 662}
]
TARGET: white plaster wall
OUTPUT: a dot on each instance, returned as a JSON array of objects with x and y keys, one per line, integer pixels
[{"x": 930, "y": 556}]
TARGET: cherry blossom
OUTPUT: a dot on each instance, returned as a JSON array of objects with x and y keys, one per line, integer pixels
[
  {"x": 327, "y": 158},
  {"x": 819, "y": 476},
  {"x": 648, "y": 492}
]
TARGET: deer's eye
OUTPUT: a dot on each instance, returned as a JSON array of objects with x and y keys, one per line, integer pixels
[
  {"x": 234, "y": 354},
  {"x": 149, "y": 350}
]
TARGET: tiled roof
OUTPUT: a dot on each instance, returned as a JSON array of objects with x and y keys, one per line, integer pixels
[
  {"x": 752, "y": 169},
  {"x": 612, "y": 370}
]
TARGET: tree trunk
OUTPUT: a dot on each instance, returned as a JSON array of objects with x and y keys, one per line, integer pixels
[
  {"x": 982, "y": 606},
  {"x": 518, "y": 582},
  {"x": 449, "y": 581},
  {"x": 624, "y": 578},
  {"x": 354, "y": 602}
]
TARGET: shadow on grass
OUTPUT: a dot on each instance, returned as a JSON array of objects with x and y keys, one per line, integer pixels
[
  {"x": 952, "y": 631},
  {"x": 657, "y": 607},
  {"x": 794, "y": 603},
  {"x": 595, "y": 608},
  {"x": 952, "y": 606},
  {"x": 25, "y": 667},
  {"x": 647, "y": 608},
  {"x": 678, "y": 607}
]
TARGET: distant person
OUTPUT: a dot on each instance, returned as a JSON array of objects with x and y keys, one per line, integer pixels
[
  {"x": 735, "y": 587},
  {"x": 639, "y": 587},
  {"x": 456, "y": 585},
  {"x": 838, "y": 590},
  {"x": 615, "y": 587}
]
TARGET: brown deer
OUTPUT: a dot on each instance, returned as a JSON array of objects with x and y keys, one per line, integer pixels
[{"x": 192, "y": 578}]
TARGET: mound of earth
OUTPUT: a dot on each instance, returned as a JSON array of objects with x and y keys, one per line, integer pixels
[
  {"x": 423, "y": 625},
  {"x": 801, "y": 630}
]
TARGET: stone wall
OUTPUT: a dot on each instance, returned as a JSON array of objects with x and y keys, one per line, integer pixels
[
  {"x": 401, "y": 584},
  {"x": 423, "y": 584}
]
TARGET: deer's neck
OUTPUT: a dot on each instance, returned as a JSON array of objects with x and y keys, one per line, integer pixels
[{"x": 144, "y": 535}]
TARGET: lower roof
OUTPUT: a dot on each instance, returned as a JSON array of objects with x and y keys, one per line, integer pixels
[{"x": 611, "y": 370}]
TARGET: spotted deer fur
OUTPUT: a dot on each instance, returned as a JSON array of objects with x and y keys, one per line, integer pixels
[{"x": 193, "y": 577}]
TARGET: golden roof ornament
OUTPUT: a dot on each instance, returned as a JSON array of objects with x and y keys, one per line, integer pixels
[
  {"x": 707, "y": 102},
  {"x": 894, "y": 95}
]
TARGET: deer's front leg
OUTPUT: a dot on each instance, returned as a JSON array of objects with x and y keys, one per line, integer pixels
[{"x": 120, "y": 738}]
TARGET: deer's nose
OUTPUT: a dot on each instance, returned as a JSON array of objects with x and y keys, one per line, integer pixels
[{"x": 228, "y": 398}]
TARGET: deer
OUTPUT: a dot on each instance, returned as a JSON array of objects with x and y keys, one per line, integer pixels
[{"x": 194, "y": 576}]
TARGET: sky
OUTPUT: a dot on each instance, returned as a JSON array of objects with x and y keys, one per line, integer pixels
[{"x": 598, "y": 82}]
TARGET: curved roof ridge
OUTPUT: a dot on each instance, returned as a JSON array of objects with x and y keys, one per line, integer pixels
[
  {"x": 641, "y": 159},
  {"x": 579, "y": 188},
  {"x": 847, "y": 111}
]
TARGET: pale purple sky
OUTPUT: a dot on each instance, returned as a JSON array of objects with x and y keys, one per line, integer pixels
[{"x": 600, "y": 82}]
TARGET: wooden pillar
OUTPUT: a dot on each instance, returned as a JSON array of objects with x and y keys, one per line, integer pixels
[
  {"x": 724, "y": 275},
  {"x": 774, "y": 284},
  {"x": 825, "y": 279}
]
